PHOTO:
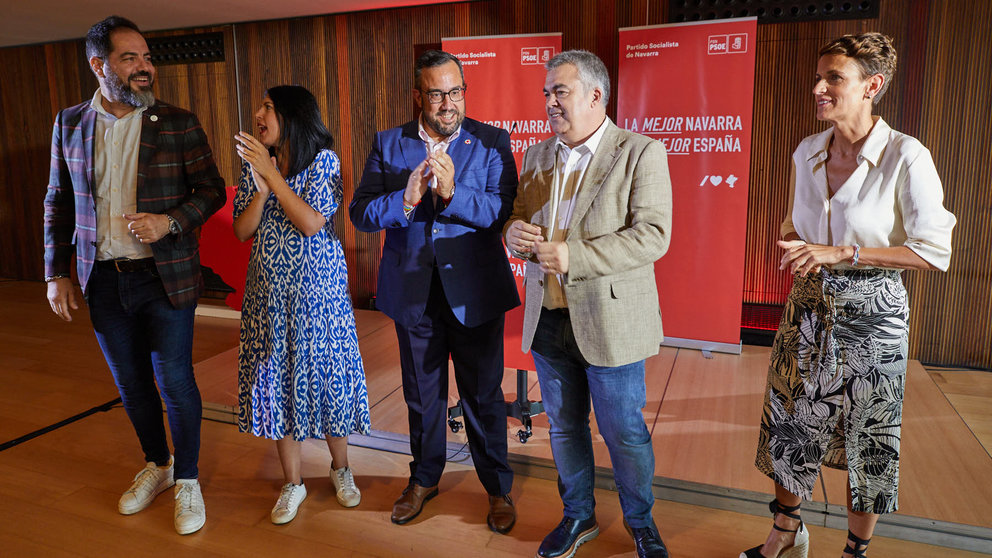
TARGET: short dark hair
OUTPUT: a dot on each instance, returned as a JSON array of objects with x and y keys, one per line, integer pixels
[
  {"x": 302, "y": 133},
  {"x": 433, "y": 59},
  {"x": 98, "y": 37},
  {"x": 873, "y": 52}
]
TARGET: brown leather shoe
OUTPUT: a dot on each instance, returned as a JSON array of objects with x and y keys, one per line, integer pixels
[
  {"x": 411, "y": 502},
  {"x": 502, "y": 514}
]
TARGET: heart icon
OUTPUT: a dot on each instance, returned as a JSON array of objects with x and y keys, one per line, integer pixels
[{"x": 716, "y": 180}]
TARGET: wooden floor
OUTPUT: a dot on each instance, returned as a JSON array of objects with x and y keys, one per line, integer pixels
[
  {"x": 61, "y": 488},
  {"x": 60, "y": 493}
]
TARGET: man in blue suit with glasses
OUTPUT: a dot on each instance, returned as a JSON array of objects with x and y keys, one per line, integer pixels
[{"x": 442, "y": 186}]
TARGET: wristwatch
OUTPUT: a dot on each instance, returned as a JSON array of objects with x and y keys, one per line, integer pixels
[{"x": 173, "y": 225}]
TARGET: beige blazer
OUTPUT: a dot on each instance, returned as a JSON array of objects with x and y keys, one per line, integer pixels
[{"x": 621, "y": 225}]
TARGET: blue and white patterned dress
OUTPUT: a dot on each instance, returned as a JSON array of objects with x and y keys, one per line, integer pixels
[{"x": 300, "y": 372}]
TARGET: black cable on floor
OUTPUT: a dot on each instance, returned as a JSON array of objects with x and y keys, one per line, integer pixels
[{"x": 98, "y": 409}]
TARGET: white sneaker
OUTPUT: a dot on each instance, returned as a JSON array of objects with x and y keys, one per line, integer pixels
[
  {"x": 288, "y": 504},
  {"x": 148, "y": 483},
  {"x": 190, "y": 511},
  {"x": 344, "y": 483}
]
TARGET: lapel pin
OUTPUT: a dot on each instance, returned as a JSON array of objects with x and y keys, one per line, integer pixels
[
  {"x": 467, "y": 141},
  {"x": 154, "y": 118}
]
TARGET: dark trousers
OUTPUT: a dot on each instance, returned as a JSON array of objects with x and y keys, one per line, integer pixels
[
  {"x": 477, "y": 353},
  {"x": 147, "y": 341}
]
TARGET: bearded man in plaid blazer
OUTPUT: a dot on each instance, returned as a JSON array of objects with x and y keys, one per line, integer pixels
[{"x": 131, "y": 180}]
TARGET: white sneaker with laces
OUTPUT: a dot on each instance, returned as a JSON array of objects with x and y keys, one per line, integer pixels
[
  {"x": 288, "y": 504},
  {"x": 191, "y": 514},
  {"x": 148, "y": 483},
  {"x": 348, "y": 494}
]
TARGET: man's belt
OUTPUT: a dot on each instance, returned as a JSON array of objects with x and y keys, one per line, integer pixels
[{"x": 127, "y": 265}]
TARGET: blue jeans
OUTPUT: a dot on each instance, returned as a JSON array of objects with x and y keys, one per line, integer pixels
[
  {"x": 145, "y": 340},
  {"x": 618, "y": 394}
]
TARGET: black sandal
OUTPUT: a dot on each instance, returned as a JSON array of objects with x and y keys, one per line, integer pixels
[
  {"x": 855, "y": 552},
  {"x": 799, "y": 547}
]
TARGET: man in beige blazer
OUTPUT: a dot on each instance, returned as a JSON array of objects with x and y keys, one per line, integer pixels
[{"x": 593, "y": 213}]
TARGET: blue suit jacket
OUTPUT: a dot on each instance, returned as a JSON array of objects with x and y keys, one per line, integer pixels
[{"x": 465, "y": 237}]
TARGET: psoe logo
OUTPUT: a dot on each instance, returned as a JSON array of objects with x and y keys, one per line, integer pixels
[
  {"x": 727, "y": 44},
  {"x": 536, "y": 55},
  {"x": 717, "y": 44},
  {"x": 737, "y": 43}
]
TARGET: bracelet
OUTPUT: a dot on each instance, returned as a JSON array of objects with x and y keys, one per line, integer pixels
[
  {"x": 447, "y": 200},
  {"x": 50, "y": 278},
  {"x": 520, "y": 255},
  {"x": 857, "y": 254},
  {"x": 409, "y": 207}
]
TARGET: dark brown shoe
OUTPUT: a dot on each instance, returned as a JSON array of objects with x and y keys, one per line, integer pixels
[
  {"x": 502, "y": 514},
  {"x": 411, "y": 502}
]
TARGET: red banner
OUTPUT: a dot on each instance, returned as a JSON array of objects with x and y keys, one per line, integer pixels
[
  {"x": 691, "y": 86},
  {"x": 224, "y": 254},
  {"x": 505, "y": 76}
]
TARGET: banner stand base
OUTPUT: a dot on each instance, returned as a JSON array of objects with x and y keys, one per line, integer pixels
[{"x": 705, "y": 346}]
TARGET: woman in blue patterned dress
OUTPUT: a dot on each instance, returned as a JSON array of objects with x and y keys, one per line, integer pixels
[{"x": 300, "y": 372}]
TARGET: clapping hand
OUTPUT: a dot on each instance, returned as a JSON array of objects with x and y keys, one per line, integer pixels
[
  {"x": 417, "y": 184},
  {"x": 257, "y": 156},
  {"x": 444, "y": 169}
]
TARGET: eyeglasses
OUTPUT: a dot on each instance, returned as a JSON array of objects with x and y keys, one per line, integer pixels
[{"x": 436, "y": 96}]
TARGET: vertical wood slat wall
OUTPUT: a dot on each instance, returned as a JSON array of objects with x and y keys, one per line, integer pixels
[{"x": 359, "y": 65}]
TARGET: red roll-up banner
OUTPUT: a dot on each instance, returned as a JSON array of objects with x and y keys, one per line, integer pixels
[
  {"x": 691, "y": 86},
  {"x": 505, "y": 75}
]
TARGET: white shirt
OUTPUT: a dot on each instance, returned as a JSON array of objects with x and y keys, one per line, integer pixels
[
  {"x": 893, "y": 198},
  {"x": 570, "y": 168},
  {"x": 115, "y": 170}
]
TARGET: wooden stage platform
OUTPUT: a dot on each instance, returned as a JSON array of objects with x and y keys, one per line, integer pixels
[{"x": 702, "y": 412}]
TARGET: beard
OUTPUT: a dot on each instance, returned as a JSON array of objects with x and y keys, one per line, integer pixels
[
  {"x": 126, "y": 95},
  {"x": 440, "y": 127}
]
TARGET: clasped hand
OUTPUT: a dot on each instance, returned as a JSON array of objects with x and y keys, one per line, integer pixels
[
  {"x": 526, "y": 239},
  {"x": 803, "y": 258},
  {"x": 553, "y": 256},
  {"x": 521, "y": 237},
  {"x": 257, "y": 156},
  {"x": 437, "y": 165}
]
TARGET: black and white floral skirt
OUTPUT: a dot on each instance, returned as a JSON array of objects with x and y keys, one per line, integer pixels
[{"x": 835, "y": 385}]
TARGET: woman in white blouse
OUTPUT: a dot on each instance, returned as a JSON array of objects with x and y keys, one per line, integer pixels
[{"x": 866, "y": 203}]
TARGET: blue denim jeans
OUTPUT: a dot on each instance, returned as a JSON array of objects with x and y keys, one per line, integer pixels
[
  {"x": 145, "y": 340},
  {"x": 568, "y": 383}
]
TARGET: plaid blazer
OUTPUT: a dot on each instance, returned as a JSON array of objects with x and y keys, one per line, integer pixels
[{"x": 177, "y": 176}]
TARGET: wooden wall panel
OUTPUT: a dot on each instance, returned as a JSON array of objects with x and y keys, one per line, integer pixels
[
  {"x": 360, "y": 68},
  {"x": 381, "y": 66},
  {"x": 952, "y": 319},
  {"x": 208, "y": 90},
  {"x": 23, "y": 144}
]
